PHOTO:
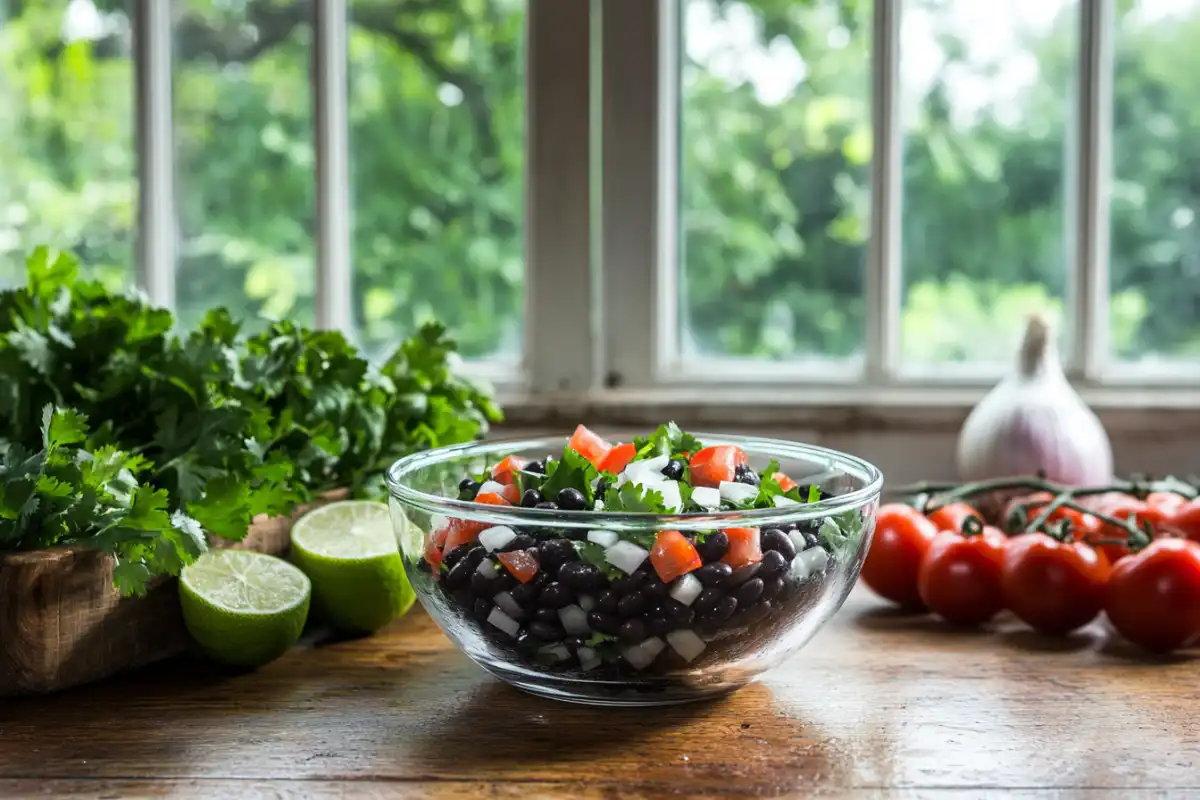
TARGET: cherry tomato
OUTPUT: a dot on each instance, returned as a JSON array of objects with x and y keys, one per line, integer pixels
[
  {"x": 1186, "y": 520},
  {"x": 1081, "y": 524},
  {"x": 1153, "y": 597},
  {"x": 1121, "y": 506},
  {"x": 959, "y": 577},
  {"x": 951, "y": 517},
  {"x": 1054, "y": 587},
  {"x": 1161, "y": 508},
  {"x": 902, "y": 536}
]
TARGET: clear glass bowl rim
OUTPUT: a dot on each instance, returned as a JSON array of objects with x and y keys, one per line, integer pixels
[{"x": 838, "y": 463}]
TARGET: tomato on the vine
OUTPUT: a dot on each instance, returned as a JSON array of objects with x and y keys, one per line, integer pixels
[
  {"x": 959, "y": 579},
  {"x": 1054, "y": 587},
  {"x": 1153, "y": 596},
  {"x": 951, "y": 516},
  {"x": 1081, "y": 524},
  {"x": 1186, "y": 520},
  {"x": 902, "y": 535}
]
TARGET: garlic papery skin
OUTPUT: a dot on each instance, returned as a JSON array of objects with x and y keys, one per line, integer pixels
[{"x": 1032, "y": 421}]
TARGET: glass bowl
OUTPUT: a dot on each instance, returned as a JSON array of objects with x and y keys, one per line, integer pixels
[{"x": 711, "y": 645}]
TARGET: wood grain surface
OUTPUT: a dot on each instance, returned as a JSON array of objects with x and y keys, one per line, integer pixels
[{"x": 878, "y": 705}]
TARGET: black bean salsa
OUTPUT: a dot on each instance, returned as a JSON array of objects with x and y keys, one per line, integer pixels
[{"x": 626, "y": 602}]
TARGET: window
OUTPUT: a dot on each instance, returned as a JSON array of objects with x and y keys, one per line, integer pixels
[{"x": 745, "y": 201}]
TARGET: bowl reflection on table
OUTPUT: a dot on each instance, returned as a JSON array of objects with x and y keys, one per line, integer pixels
[{"x": 689, "y": 651}]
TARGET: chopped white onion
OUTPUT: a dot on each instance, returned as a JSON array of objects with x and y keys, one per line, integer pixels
[
  {"x": 598, "y": 505},
  {"x": 603, "y": 538},
  {"x": 779, "y": 501},
  {"x": 626, "y": 556},
  {"x": 672, "y": 501},
  {"x": 490, "y": 487},
  {"x": 706, "y": 497},
  {"x": 799, "y": 569},
  {"x": 797, "y": 540},
  {"x": 508, "y": 605},
  {"x": 588, "y": 658},
  {"x": 815, "y": 559},
  {"x": 559, "y": 651},
  {"x": 574, "y": 620},
  {"x": 642, "y": 655},
  {"x": 686, "y": 589},
  {"x": 487, "y": 568},
  {"x": 649, "y": 470},
  {"x": 437, "y": 522},
  {"x": 686, "y": 643},
  {"x": 737, "y": 492},
  {"x": 587, "y": 602},
  {"x": 493, "y": 539},
  {"x": 504, "y": 622}
]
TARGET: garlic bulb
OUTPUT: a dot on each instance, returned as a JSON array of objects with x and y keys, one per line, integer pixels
[{"x": 1033, "y": 420}]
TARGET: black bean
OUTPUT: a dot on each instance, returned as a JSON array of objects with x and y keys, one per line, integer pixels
[
  {"x": 811, "y": 539},
  {"x": 722, "y": 611},
  {"x": 523, "y": 541},
  {"x": 742, "y": 574},
  {"x": 536, "y": 467},
  {"x": 580, "y": 576},
  {"x": 482, "y": 584},
  {"x": 679, "y": 614},
  {"x": 744, "y": 474},
  {"x": 483, "y": 607},
  {"x": 525, "y": 641},
  {"x": 707, "y": 599},
  {"x": 476, "y": 554},
  {"x": 545, "y": 631},
  {"x": 571, "y": 499},
  {"x": 776, "y": 540},
  {"x": 673, "y": 469},
  {"x": 455, "y": 555},
  {"x": 655, "y": 589},
  {"x": 555, "y": 595},
  {"x": 524, "y": 593},
  {"x": 658, "y": 626},
  {"x": 606, "y": 601},
  {"x": 714, "y": 547},
  {"x": 575, "y": 534},
  {"x": 540, "y": 579},
  {"x": 749, "y": 591},
  {"x": 714, "y": 574},
  {"x": 549, "y": 506},
  {"x": 603, "y": 623},
  {"x": 458, "y": 576},
  {"x": 632, "y": 631},
  {"x": 632, "y": 604},
  {"x": 771, "y": 588},
  {"x": 554, "y": 552},
  {"x": 467, "y": 489},
  {"x": 505, "y": 581},
  {"x": 573, "y": 643},
  {"x": 629, "y": 583},
  {"x": 531, "y": 498},
  {"x": 772, "y": 565},
  {"x": 547, "y": 615}
]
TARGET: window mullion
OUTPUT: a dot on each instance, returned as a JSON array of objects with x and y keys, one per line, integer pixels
[
  {"x": 153, "y": 38},
  {"x": 633, "y": 175},
  {"x": 1088, "y": 279},
  {"x": 883, "y": 274},
  {"x": 561, "y": 341},
  {"x": 334, "y": 285}
]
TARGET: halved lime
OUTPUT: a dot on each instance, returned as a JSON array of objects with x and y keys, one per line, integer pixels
[
  {"x": 349, "y": 551},
  {"x": 243, "y": 608}
]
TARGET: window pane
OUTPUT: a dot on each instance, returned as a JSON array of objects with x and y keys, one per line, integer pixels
[
  {"x": 244, "y": 159},
  {"x": 67, "y": 162},
  {"x": 987, "y": 92},
  {"x": 775, "y": 131},
  {"x": 1155, "y": 242},
  {"x": 437, "y": 108}
]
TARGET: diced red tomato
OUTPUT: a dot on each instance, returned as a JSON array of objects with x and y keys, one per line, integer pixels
[
  {"x": 785, "y": 483},
  {"x": 589, "y": 445},
  {"x": 503, "y": 472},
  {"x": 743, "y": 547},
  {"x": 511, "y": 493},
  {"x": 433, "y": 554},
  {"x": 492, "y": 499},
  {"x": 618, "y": 458},
  {"x": 438, "y": 537},
  {"x": 462, "y": 532},
  {"x": 712, "y": 465},
  {"x": 520, "y": 563},
  {"x": 673, "y": 555}
]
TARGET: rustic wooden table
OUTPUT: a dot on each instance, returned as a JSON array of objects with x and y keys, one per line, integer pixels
[{"x": 877, "y": 705}]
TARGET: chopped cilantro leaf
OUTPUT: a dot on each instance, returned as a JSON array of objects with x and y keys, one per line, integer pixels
[
  {"x": 593, "y": 554},
  {"x": 667, "y": 440},
  {"x": 572, "y": 471},
  {"x": 814, "y": 493},
  {"x": 635, "y": 498}
]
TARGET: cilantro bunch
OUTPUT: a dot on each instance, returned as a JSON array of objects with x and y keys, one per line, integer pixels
[{"x": 208, "y": 430}]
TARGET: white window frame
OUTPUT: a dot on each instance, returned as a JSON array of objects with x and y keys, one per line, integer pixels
[{"x": 602, "y": 219}]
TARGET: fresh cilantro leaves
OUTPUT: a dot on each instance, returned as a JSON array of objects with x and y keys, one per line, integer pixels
[
  {"x": 593, "y": 554},
  {"x": 571, "y": 471},
  {"x": 200, "y": 433},
  {"x": 636, "y": 498},
  {"x": 667, "y": 440}
]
